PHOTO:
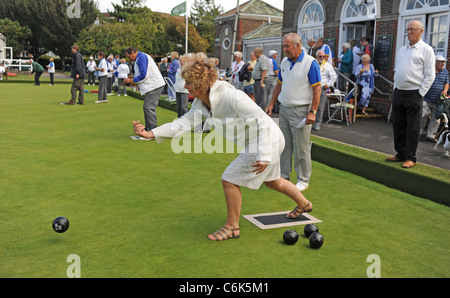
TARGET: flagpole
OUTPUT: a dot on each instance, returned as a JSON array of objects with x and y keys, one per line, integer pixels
[
  {"x": 187, "y": 29},
  {"x": 233, "y": 45}
]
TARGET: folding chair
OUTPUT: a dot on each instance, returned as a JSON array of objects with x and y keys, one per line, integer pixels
[{"x": 342, "y": 107}]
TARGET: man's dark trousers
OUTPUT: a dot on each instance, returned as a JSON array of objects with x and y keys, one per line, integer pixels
[
  {"x": 407, "y": 115},
  {"x": 77, "y": 85},
  {"x": 37, "y": 76}
]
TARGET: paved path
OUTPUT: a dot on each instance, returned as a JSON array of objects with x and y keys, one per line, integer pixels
[{"x": 377, "y": 135}]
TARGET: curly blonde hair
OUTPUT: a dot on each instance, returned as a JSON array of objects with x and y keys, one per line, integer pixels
[{"x": 200, "y": 72}]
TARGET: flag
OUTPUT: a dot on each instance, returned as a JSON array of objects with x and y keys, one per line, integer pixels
[{"x": 179, "y": 9}]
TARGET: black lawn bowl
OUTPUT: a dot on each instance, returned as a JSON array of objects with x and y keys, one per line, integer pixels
[
  {"x": 60, "y": 224},
  {"x": 309, "y": 229},
  {"x": 290, "y": 237},
  {"x": 316, "y": 240}
]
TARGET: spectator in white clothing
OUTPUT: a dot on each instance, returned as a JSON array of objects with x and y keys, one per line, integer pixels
[
  {"x": 122, "y": 73},
  {"x": 91, "y": 65},
  {"x": 2, "y": 70},
  {"x": 51, "y": 71},
  {"x": 328, "y": 77},
  {"x": 235, "y": 68},
  {"x": 415, "y": 71}
]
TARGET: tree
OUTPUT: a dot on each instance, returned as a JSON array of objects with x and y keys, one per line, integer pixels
[
  {"x": 17, "y": 36},
  {"x": 52, "y": 28},
  {"x": 148, "y": 31},
  {"x": 203, "y": 13},
  {"x": 127, "y": 9}
]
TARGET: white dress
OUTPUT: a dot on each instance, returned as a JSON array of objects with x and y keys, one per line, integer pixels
[{"x": 237, "y": 118}]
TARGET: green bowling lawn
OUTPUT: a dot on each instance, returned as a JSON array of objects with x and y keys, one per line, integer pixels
[{"x": 137, "y": 209}]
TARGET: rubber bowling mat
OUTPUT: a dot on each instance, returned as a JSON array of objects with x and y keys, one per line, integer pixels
[{"x": 279, "y": 220}]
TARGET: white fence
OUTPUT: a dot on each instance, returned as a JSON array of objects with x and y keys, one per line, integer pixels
[{"x": 17, "y": 64}]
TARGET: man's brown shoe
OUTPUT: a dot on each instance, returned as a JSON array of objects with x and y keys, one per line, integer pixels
[
  {"x": 409, "y": 164},
  {"x": 393, "y": 159}
]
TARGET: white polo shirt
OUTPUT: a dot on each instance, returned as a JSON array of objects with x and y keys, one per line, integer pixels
[
  {"x": 103, "y": 65},
  {"x": 415, "y": 68}
]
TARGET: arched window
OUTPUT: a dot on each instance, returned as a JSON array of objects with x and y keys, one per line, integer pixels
[
  {"x": 310, "y": 21},
  {"x": 359, "y": 10},
  {"x": 418, "y": 4},
  {"x": 358, "y": 20}
]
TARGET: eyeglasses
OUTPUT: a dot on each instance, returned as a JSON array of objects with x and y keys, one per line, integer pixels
[
  {"x": 412, "y": 29},
  {"x": 320, "y": 56}
]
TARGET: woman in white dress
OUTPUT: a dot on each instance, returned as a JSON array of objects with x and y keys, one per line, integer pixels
[{"x": 240, "y": 120}]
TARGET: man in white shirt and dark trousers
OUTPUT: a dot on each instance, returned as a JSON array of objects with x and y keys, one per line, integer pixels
[
  {"x": 414, "y": 75},
  {"x": 150, "y": 81},
  {"x": 91, "y": 65}
]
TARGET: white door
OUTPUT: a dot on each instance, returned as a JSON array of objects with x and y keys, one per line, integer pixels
[{"x": 354, "y": 31}]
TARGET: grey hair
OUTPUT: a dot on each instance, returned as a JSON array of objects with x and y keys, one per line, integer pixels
[
  {"x": 296, "y": 39},
  {"x": 238, "y": 54}
]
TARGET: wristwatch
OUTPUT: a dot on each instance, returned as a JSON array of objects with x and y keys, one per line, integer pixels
[{"x": 314, "y": 112}]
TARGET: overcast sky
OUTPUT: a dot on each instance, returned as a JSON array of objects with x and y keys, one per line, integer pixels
[{"x": 167, "y": 5}]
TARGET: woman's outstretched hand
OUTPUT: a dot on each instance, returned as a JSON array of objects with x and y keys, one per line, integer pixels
[{"x": 139, "y": 130}]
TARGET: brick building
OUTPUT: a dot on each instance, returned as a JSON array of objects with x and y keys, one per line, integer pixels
[
  {"x": 383, "y": 22},
  {"x": 253, "y": 16}
]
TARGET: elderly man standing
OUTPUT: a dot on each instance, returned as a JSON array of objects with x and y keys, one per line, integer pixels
[
  {"x": 298, "y": 91},
  {"x": 150, "y": 81},
  {"x": 328, "y": 76},
  {"x": 91, "y": 65},
  {"x": 431, "y": 99},
  {"x": 414, "y": 74},
  {"x": 312, "y": 51},
  {"x": 260, "y": 75}
]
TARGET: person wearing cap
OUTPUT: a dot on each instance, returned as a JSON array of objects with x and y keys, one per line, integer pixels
[
  {"x": 91, "y": 65},
  {"x": 272, "y": 73},
  {"x": 415, "y": 70},
  {"x": 431, "y": 99}
]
